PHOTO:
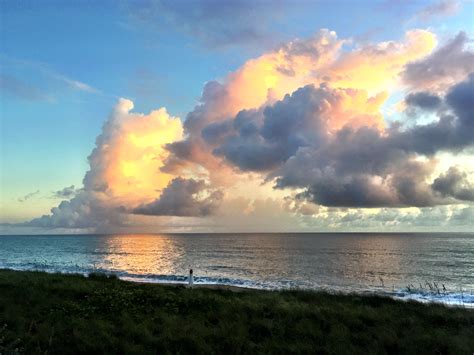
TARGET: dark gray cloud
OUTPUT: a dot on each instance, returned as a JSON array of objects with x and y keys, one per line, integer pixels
[
  {"x": 194, "y": 146},
  {"x": 350, "y": 172},
  {"x": 363, "y": 168},
  {"x": 215, "y": 132},
  {"x": 451, "y": 62},
  {"x": 424, "y": 100},
  {"x": 183, "y": 197},
  {"x": 461, "y": 99},
  {"x": 353, "y": 167},
  {"x": 262, "y": 140},
  {"x": 454, "y": 183},
  {"x": 17, "y": 88},
  {"x": 214, "y": 23}
]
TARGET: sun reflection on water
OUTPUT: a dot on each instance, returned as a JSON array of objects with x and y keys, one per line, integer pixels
[{"x": 142, "y": 254}]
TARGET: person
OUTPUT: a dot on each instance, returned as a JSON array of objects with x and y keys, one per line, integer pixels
[{"x": 191, "y": 280}]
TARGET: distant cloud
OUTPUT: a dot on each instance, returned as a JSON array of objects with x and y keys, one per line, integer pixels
[
  {"x": 28, "y": 196},
  {"x": 75, "y": 84},
  {"x": 66, "y": 193},
  {"x": 47, "y": 73},
  {"x": 438, "y": 8},
  {"x": 11, "y": 86},
  {"x": 214, "y": 23}
]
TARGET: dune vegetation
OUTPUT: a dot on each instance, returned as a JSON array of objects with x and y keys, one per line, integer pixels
[{"x": 58, "y": 314}]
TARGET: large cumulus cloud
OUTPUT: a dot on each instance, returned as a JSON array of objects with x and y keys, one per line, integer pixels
[
  {"x": 260, "y": 140},
  {"x": 123, "y": 170},
  {"x": 357, "y": 165},
  {"x": 370, "y": 68}
]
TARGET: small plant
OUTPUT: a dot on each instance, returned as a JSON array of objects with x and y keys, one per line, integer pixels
[
  {"x": 102, "y": 276},
  {"x": 13, "y": 347}
]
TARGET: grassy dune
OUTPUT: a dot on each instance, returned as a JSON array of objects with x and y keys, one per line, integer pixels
[{"x": 52, "y": 313}]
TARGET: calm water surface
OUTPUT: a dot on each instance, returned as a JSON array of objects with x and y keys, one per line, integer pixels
[{"x": 383, "y": 263}]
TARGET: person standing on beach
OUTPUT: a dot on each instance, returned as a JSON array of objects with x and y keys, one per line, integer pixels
[{"x": 190, "y": 280}]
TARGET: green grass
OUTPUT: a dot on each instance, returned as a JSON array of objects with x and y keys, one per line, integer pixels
[{"x": 58, "y": 314}]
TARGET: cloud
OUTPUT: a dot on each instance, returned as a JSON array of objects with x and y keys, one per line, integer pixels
[
  {"x": 28, "y": 196},
  {"x": 423, "y": 100},
  {"x": 124, "y": 170},
  {"x": 367, "y": 71},
  {"x": 460, "y": 99},
  {"x": 268, "y": 214},
  {"x": 129, "y": 153},
  {"x": 447, "y": 65},
  {"x": 454, "y": 183},
  {"x": 75, "y": 84},
  {"x": 214, "y": 23},
  {"x": 438, "y": 8},
  {"x": 33, "y": 69},
  {"x": 401, "y": 188},
  {"x": 16, "y": 88},
  {"x": 391, "y": 219},
  {"x": 256, "y": 82},
  {"x": 364, "y": 167},
  {"x": 82, "y": 211},
  {"x": 262, "y": 140},
  {"x": 183, "y": 197},
  {"x": 66, "y": 193},
  {"x": 463, "y": 217},
  {"x": 376, "y": 67},
  {"x": 342, "y": 126}
]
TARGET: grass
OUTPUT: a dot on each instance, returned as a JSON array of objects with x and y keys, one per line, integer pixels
[{"x": 59, "y": 314}]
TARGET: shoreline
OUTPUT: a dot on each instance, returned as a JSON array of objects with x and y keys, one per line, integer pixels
[
  {"x": 463, "y": 299},
  {"x": 391, "y": 295}
]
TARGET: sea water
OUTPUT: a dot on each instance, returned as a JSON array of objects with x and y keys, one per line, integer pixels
[{"x": 421, "y": 266}]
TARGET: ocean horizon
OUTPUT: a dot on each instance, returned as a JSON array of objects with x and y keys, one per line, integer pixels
[{"x": 420, "y": 266}]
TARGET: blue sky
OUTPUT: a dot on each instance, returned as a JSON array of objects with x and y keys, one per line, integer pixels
[{"x": 64, "y": 65}]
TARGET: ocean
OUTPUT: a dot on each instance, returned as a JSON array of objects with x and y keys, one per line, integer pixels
[{"x": 421, "y": 266}]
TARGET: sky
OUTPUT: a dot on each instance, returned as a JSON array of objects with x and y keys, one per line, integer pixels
[{"x": 211, "y": 116}]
